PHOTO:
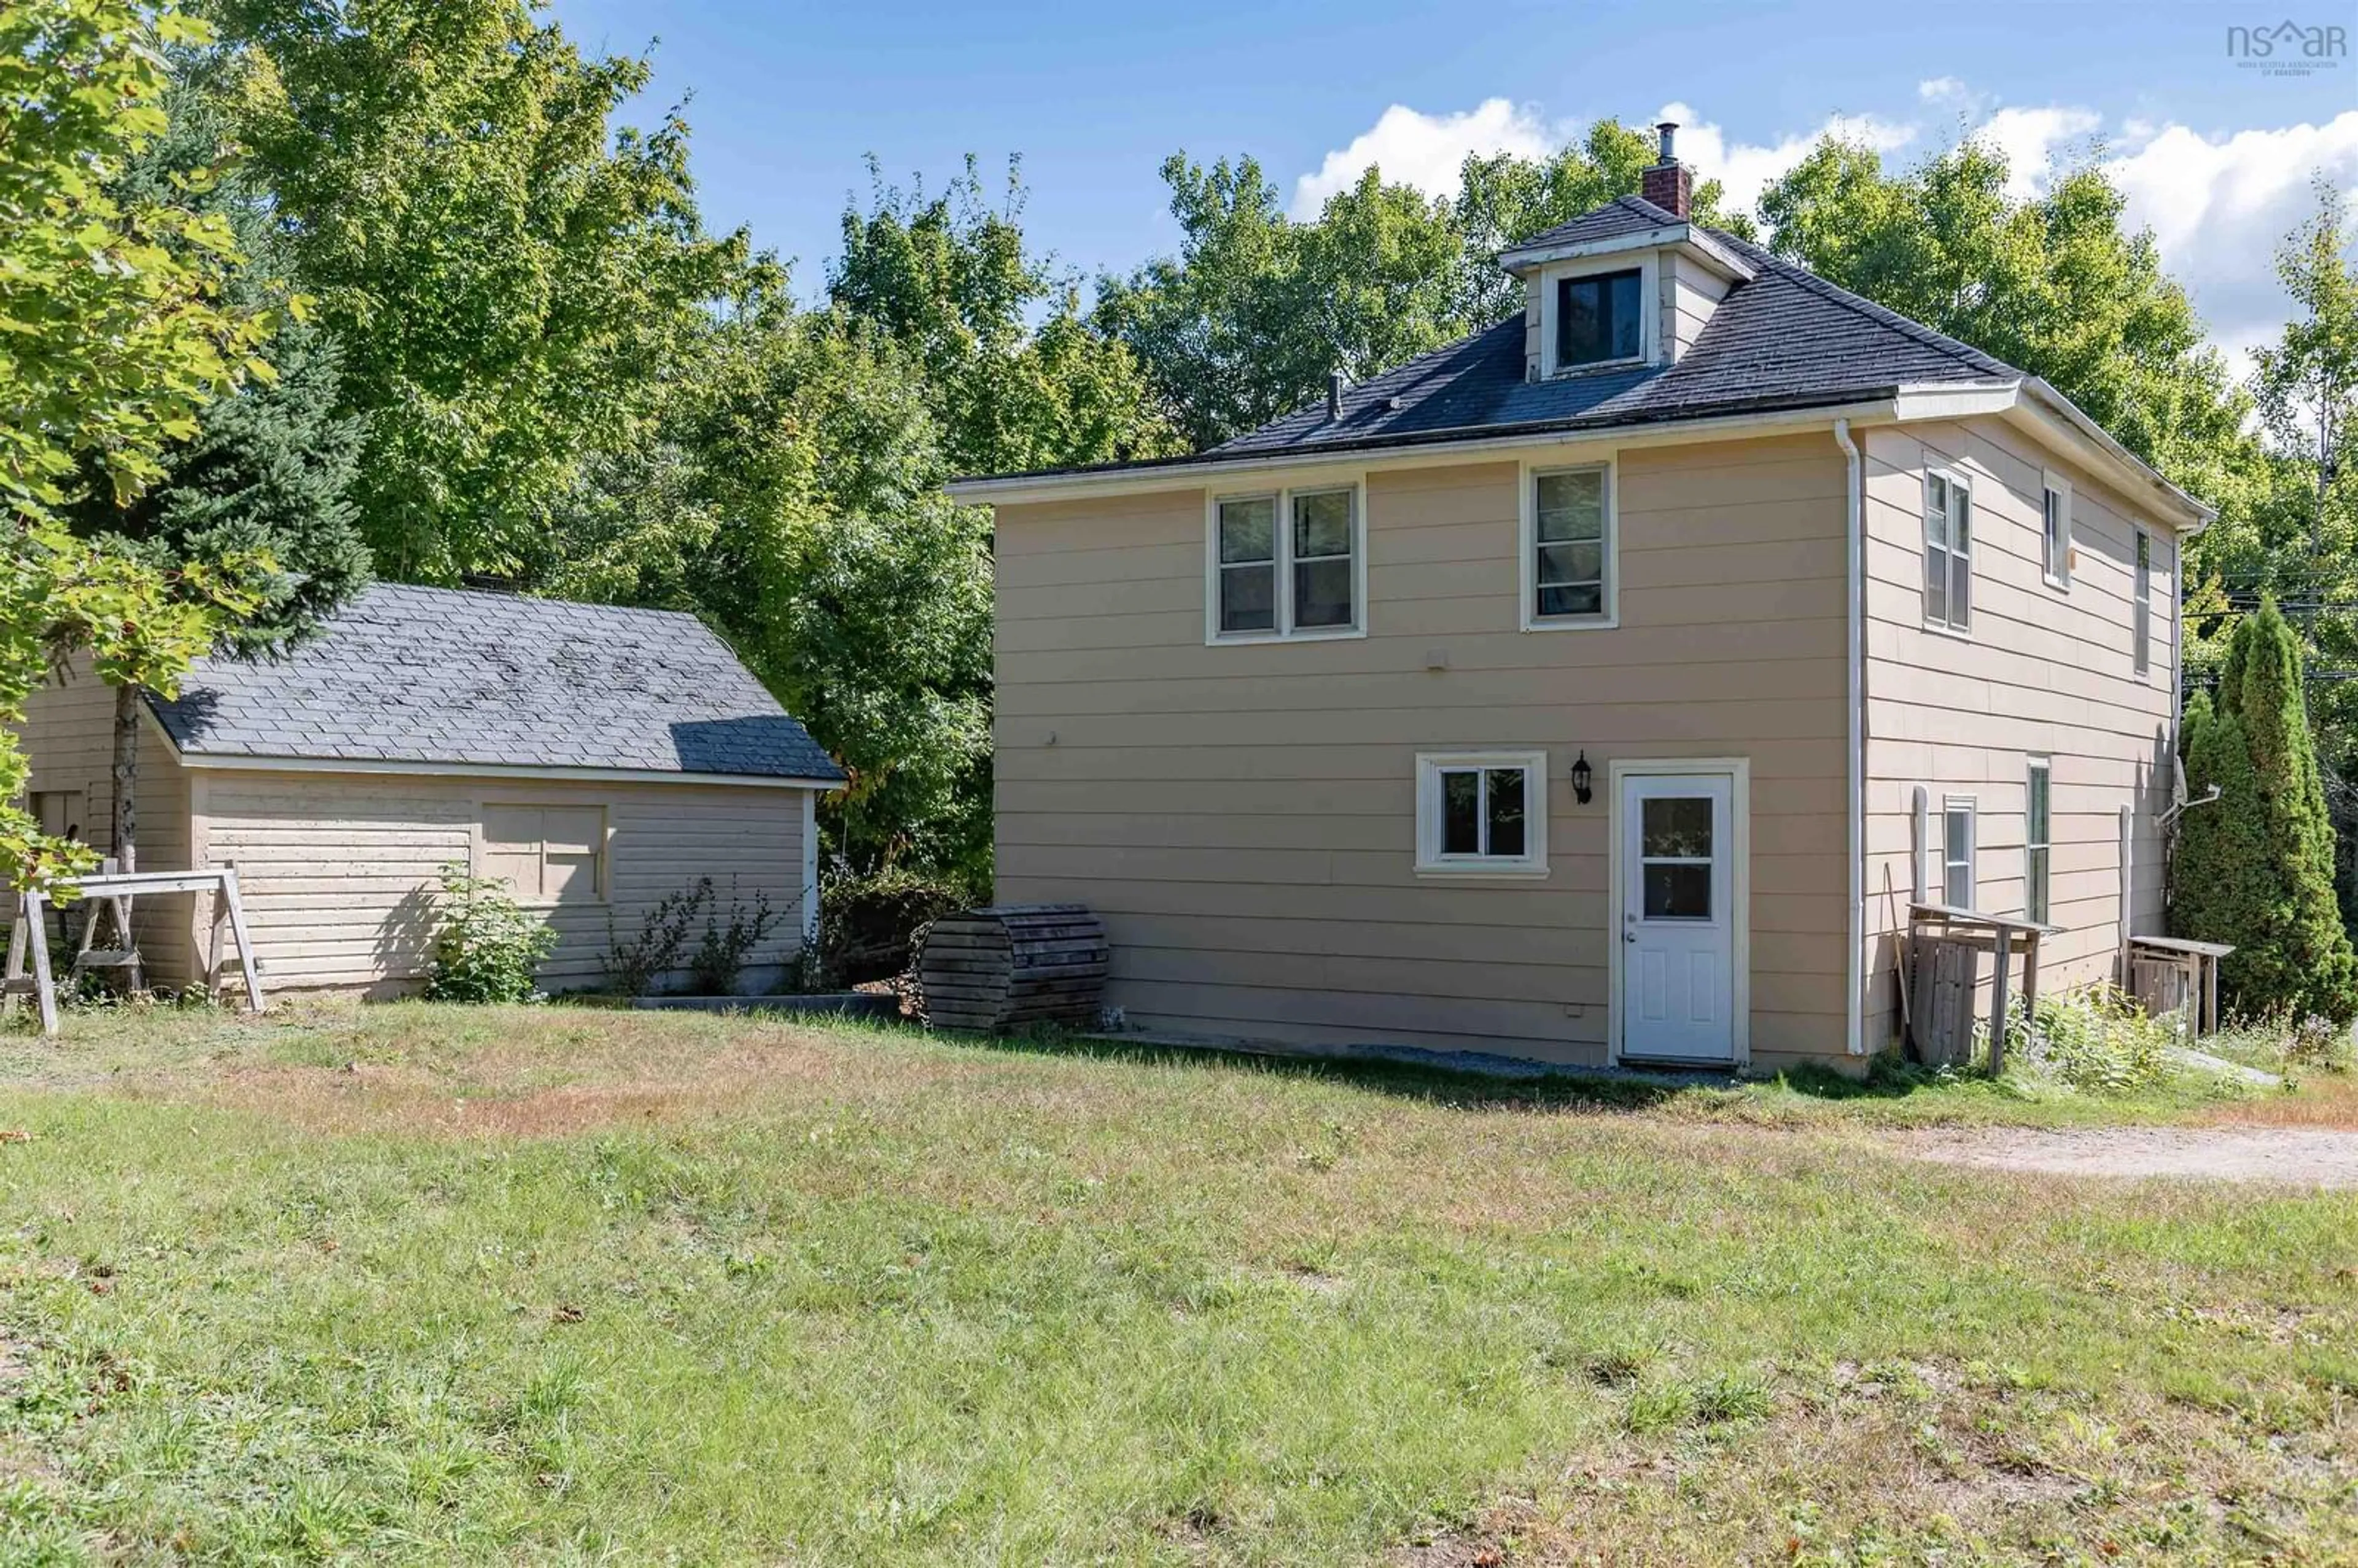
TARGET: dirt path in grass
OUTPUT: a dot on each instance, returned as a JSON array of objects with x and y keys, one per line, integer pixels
[{"x": 2311, "y": 1157}]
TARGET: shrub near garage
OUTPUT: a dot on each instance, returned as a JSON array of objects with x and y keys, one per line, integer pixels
[{"x": 486, "y": 945}]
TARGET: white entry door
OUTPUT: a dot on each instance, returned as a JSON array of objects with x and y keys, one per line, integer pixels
[{"x": 1678, "y": 923}]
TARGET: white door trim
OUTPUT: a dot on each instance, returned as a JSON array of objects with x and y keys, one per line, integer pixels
[{"x": 1738, "y": 770}]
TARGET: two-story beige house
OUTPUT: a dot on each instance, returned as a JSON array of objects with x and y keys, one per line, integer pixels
[{"x": 1602, "y": 687}]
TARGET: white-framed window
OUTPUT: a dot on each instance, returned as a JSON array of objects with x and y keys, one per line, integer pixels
[
  {"x": 1481, "y": 812},
  {"x": 1290, "y": 562},
  {"x": 1570, "y": 542},
  {"x": 1598, "y": 315},
  {"x": 1948, "y": 551},
  {"x": 548, "y": 854},
  {"x": 2038, "y": 830},
  {"x": 2141, "y": 606},
  {"x": 2055, "y": 524},
  {"x": 1959, "y": 885}
]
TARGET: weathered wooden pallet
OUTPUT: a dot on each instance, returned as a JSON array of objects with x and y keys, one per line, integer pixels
[{"x": 1013, "y": 964}]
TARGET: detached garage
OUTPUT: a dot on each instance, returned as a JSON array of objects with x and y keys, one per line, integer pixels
[{"x": 598, "y": 759}]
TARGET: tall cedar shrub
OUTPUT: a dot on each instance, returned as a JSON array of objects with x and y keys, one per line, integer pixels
[{"x": 2255, "y": 868}]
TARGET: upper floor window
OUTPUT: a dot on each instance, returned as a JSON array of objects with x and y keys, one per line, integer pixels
[
  {"x": 1286, "y": 563},
  {"x": 1568, "y": 547},
  {"x": 1599, "y": 319},
  {"x": 2141, "y": 607},
  {"x": 1947, "y": 552},
  {"x": 2055, "y": 515}
]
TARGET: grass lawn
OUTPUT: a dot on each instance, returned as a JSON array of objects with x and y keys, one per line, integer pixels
[{"x": 434, "y": 1283}]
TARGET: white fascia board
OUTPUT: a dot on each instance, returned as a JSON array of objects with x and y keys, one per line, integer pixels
[
  {"x": 1684, "y": 238},
  {"x": 2057, "y": 423},
  {"x": 1085, "y": 484},
  {"x": 2095, "y": 446},
  {"x": 226, "y": 763}
]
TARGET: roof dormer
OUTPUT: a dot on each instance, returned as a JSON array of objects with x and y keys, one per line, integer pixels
[{"x": 1626, "y": 286}]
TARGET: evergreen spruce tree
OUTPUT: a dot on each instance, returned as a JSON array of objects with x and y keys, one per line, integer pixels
[
  {"x": 2255, "y": 868},
  {"x": 269, "y": 472}
]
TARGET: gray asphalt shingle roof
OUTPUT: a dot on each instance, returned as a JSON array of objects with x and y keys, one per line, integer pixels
[
  {"x": 1786, "y": 337},
  {"x": 434, "y": 674}
]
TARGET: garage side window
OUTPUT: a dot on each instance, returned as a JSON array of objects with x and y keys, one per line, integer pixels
[{"x": 549, "y": 854}]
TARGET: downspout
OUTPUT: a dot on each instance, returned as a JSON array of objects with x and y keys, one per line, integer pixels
[{"x": 1854, "y": 537}]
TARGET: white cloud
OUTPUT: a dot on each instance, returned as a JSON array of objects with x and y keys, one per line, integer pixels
[
  {"x": 2032, "y": 140},
  {"x": 2218, "y": 206},
  {"x": 1744, "y": 169},
  {"x": 1424, "y": 150}
]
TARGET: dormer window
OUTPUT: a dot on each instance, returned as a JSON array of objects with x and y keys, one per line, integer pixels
[{"x": 1599, "y": 319}]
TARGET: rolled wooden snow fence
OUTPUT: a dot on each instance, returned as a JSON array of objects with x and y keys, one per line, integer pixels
[{"x": 1014, "y": 964}]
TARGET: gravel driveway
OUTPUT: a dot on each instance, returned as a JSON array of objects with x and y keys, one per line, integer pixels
[{"x": 2306, "y": 1157}]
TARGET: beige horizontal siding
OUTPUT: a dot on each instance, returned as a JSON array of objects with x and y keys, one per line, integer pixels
[
  {"x": 2044, "y": 672},
  {"x": 338, "y": 870},
  {"x": 69, "y": 739},
  {"x": 1244, "y": 817}
]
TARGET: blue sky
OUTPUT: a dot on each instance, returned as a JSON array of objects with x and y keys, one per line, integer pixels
[{"x": 787, "y": 99}]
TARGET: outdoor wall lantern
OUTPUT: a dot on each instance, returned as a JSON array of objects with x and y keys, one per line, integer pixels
[{"x": 1580, "y": 777}]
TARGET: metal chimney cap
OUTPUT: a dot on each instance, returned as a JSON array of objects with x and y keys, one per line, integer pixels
[{"x": 1670, "y": 130}]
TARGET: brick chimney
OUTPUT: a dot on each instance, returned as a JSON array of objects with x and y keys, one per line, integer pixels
[{"x": 1666, "y": 184}]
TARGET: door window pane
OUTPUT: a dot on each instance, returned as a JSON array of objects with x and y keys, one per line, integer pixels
[
  {"x": 1678, "y": 891},
  {"x": 1676, "y": 826}
]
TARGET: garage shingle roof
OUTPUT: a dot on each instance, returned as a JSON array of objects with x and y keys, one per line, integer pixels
[{"x": 447, "y": 675}]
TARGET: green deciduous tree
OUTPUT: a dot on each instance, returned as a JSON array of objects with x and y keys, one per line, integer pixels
[
  {"x": 510, "y": 279},
  {"x": 2055, "y": 285},
  {"x": 1246, "y": 321},
  {"x": 951, "y": 281},
  {"x": 270, "y": 470},
  {"x": 114, "y": 335},
  {"x": 2255, "y": 868}
]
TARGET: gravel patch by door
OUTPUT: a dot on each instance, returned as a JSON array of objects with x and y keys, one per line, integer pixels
[{"x": 2288, "y": 1156}]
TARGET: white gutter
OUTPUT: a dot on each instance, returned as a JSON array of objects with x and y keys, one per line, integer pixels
[{"x": 1854, "y": 535}]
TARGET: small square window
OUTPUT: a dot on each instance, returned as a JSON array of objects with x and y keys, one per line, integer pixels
[
  {"x": 1599, "y": 319},
  {"x": 1482, "y": 812}
]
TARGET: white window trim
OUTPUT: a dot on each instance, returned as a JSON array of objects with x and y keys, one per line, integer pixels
[
  {"x": 1972, "y": 807},
  {"x": 1648, "y": 267},
  {"x": 1432, "y": 862},
  {"x": 1957, "y": 480},
  {"x": 2031, "y": 765},
  {"x": 2059, "y": 576},
  {"x": 1282, "y": 565},
  {"x": 1528, "y": 542},
  {"x": 2141, "y": 603}
]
